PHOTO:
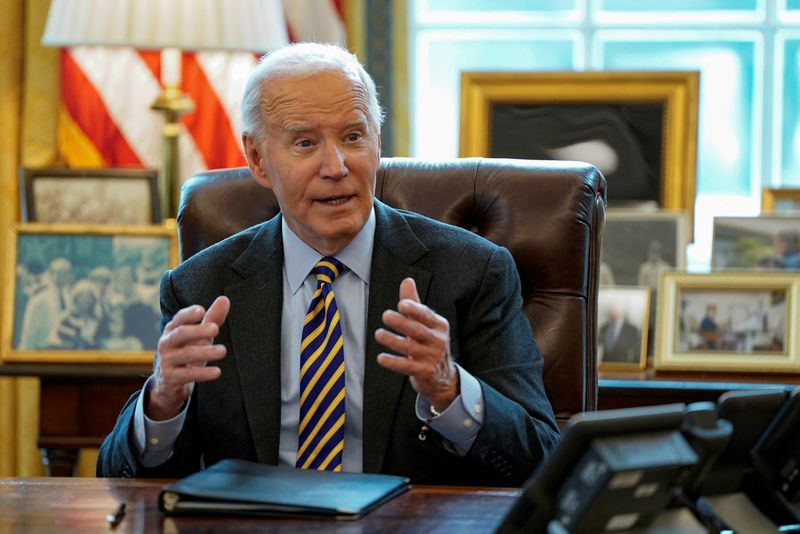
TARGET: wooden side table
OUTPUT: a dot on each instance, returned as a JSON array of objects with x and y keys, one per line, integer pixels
[{"x": 78, "y": 406}]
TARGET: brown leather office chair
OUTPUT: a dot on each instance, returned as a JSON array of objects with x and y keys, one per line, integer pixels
[{"x": 549, "y": 214}]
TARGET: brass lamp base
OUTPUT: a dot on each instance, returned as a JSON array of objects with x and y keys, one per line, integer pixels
[{"x": 173, "y": 103}]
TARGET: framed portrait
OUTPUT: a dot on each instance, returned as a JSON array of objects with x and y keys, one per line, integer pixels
[
  {"x": 728, "y": 322},
  {"x": 767, "y": 242},
  {"x": 780, "y": 199},
  {"x": 638, "y": 128},
  {"x": 623, "y": 319},
  {"x": 85, "y": 293},
  {"x": 89, "y": 196}
]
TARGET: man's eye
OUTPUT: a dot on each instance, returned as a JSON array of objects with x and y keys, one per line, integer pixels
[
  {"x": 353, "y": 136},
  {"x": 305, "y": 143}
]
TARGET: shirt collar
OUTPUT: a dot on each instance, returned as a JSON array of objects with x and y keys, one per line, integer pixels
[{"x": 299, "y": 258}]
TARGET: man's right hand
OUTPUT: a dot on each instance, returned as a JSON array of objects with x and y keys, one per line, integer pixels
[{"x": 184, "y": 348}]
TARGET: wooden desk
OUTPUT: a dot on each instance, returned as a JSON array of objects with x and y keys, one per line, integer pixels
[{"x": 63, "y": 505}]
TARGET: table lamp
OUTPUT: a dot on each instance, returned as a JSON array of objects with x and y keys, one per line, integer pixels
[{"x": 171, "y": 26}]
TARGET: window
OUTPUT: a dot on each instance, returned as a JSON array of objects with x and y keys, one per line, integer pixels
[{"x": 747, "y": 53}]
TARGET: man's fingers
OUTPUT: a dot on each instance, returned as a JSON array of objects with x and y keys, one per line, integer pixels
[
  {"x": 193, "y": 356},
  {"x": 401, "y": 365},
  {"x": 218, "y": 311},
  {"x": 405, "y": 345},
  {"x": 422, "y": 313},
  {"x": 190, "y": 315},
  {"x": 186, "y": 375},
  {"x": 408, "y": 290},
  {"x": 187, "y": 334},
  {"x": 412, "y": 329},
  {"x": 419, "y": 325}
]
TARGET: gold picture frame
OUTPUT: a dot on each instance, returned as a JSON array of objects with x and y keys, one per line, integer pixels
[
  {"x": 89, "y": 196},
  {"x": 675, "y": 95},
  {"x": 728, "y": 322},
  {"x": 623, "y": 348},
  {"x": 774, "y": 198},
  {"x": 84, "y": 293}
]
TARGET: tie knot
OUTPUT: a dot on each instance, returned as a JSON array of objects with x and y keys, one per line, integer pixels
[{"x": 328, "y": 269}]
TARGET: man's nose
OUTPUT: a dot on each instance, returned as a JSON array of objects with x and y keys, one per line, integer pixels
[{"x": 333, "y": 162}]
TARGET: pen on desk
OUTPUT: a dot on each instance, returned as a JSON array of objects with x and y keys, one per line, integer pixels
[{"x": 115, "y": 518}]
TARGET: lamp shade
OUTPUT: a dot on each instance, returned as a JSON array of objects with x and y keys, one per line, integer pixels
[{"x": 245, "y": 25}]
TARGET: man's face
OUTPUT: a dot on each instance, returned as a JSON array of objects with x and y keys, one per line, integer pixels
[
  {"x": 62, "y": 274},
  {"x": 320, "y": 157}
]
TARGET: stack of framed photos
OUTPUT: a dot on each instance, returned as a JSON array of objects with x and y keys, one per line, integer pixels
[
  {"x": 85, "y": 265},
  {"x": 742, "y": 317},
  {"x": 638, "y": 246}
]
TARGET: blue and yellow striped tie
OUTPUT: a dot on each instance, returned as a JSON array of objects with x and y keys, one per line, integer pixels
[{"x": 321, "y": 431}]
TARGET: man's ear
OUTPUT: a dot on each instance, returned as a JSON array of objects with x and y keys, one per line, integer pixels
[{"x": 255, "y": 160}]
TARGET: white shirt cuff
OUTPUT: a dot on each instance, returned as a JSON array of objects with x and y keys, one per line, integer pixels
[
  {"x": 154, "y": 440},
  {"x": 463, "y": 419}
]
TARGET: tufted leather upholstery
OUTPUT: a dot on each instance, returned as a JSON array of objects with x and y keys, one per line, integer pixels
[{"x": 549, "y": 214}]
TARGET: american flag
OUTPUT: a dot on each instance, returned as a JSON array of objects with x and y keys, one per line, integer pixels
[{"x": 106, "y": 93}]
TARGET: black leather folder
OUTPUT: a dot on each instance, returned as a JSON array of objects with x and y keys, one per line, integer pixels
[{"x": 240, "y": 487}]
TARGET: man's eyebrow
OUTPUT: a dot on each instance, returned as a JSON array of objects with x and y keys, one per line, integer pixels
[
  {"x": 295, "y": 128},
  {"x": 356, "y": 123}
]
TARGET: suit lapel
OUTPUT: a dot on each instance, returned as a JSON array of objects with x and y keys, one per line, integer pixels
[
  {"x": 395, "y": 250},
  {"x": 255, "y": 319}
]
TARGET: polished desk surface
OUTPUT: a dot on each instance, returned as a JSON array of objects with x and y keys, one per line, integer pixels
[{"x": 81, "y": 505}]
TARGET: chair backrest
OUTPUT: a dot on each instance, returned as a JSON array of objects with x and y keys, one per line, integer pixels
[{"x": 549, "y": 214}]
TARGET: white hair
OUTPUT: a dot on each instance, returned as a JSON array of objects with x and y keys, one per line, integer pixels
[{"x": 299, "y": 61}]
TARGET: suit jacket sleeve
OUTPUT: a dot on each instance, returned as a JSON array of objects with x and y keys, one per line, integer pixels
[
  {"x": 118, "y": 458},
  {"x": 496, "y": 346}
]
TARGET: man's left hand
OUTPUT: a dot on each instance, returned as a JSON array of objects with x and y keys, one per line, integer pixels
[{"x": 421, "y": 346}]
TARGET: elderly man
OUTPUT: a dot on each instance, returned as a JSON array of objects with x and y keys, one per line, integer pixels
[{"x": 270, "y": 346}]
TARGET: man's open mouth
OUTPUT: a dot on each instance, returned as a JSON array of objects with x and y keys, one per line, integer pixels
[{"x": 335, "y": 201}]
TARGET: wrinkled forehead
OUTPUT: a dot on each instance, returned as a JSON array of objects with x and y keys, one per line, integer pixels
[{"x": 289, "y": 93}]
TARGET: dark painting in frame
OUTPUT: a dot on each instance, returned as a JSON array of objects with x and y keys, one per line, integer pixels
[
  {"x": 89, "y": 196},
  {"x": 640, "y": 128}
]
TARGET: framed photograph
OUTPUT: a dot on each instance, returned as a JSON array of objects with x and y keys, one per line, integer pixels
[
  {"x": 90, "y": 196},
  {"x": 85, "y": 293},
  {"x": 729, "y": 322},
  {"x": 638, "y": 128},
  {"x": 768, "y": 242},
  {"x": 638, "y": 246},
  {"x": 622, "y": 313},
  {"x": 780, "y": 199}
]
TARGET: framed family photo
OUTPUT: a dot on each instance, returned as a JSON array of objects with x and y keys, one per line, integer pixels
[
  {"x": 767, "y": 242},
  {"x": 85, "y": 293},
  {"x": 780, "y": 200},
  {"x": 90, "y": 196},
  {"x": 622, "y": 313},
  {"x": 638, "y": 128},
  {"x": 729, "y": 322}
]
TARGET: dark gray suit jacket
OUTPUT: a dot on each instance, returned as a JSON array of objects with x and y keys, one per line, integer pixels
[{"x": 468, "y": 280}]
